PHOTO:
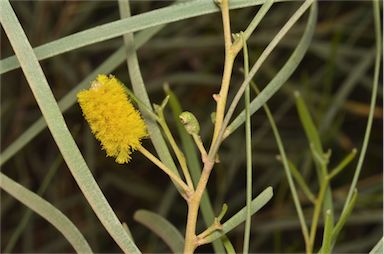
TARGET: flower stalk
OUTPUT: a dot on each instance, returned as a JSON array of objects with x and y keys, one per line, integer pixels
[
  {"x": 186, "y": 189},
  {"x": 179, "y": 154}
]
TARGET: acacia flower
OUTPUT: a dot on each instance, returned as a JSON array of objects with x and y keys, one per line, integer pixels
[{"x": 112, "y": 118}]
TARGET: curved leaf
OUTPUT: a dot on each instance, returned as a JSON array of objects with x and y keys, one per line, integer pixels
[
  {"x": 47, "y": 211},
  {"x": 161, "y": 227}
]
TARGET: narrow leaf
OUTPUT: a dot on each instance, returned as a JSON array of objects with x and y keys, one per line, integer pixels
[
  {"x": 47, "y": 211},
  {"x": 300, "y": 180},
  {"x": 161, "y": 227},
  {"x": 28, "y": 214},
  {"x": 118, "y": 28},
  {"x": 239, "y": 217},
  {"x": 327, "y": 235},
  {"x": 228, "y": 245},
  {"x": 308, "y": 124},
  {"x": 345, "y": 162},
  {"x": 316, "y": 146},
  {"x": 344, "y": 216}
]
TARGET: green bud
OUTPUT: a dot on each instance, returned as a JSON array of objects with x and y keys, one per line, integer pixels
[
  {"x": 190, "y": 122},
  {"x": 213, "y": 117}
]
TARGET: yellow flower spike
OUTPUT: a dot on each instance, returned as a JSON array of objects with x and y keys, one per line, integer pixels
[{"x": 112, "y": 118}]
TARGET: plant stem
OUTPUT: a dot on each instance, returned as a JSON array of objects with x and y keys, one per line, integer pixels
[
  {"x": 179, "y": 154},
  {"x": 200, "y": 146},
  {"x": 166, "y": 170},
  {"x": 316, "y": 214},
  {"x": 193, "y": 207},
  {"x": 215, "y": 226},
  {"x": 221, "y": 99}
]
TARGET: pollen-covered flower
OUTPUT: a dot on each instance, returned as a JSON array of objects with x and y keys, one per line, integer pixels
[{"x": 112, "y": 118}]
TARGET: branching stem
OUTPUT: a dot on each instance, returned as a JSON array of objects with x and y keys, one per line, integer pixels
[
  {"x": 316, "y": 214},
  {"x": 200, "y": 146},
  {"x": 193, "y": 208},
  {"x": 166, "y": 170},
  {"x": 179, "y": 154}
]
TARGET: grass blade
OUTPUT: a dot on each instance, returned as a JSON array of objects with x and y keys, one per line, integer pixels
[
  {"x": 239, "y": 217},
  {"x": 59, "y": 129},
  {"x": 128, "y": 25},
  {"x": 47, "y": 211},
  {"x": 161, "y": 227}
]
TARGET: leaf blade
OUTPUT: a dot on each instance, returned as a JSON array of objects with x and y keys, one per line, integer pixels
[
  {"x": 47, "y": 211},
  {"x": 162, "y": 228},
  {"x": 129, "y": 25},
  {"x": 239, "y": 217},
  {"x": 378, "y": 249}
]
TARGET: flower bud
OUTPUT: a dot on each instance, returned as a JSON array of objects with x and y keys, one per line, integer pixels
[{"x": 190, "y": 122}]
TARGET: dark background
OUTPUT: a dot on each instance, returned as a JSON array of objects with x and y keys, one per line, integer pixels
[{"x": 189, "y": 55}]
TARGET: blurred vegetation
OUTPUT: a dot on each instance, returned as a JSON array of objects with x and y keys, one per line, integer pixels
[{"x": 189, "y": 55}]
